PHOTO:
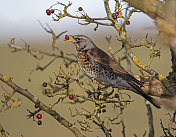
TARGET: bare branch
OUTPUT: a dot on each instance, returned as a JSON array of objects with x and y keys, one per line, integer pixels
[
  {"x": 163, "y": 13},
  {"x": 54, "y": 36},
  {"x": 43, "y": 107}
]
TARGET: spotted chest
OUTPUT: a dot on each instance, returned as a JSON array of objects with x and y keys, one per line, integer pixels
[
  {"x": 86, "y": 64},
  {"x": 95, "y": 70}
]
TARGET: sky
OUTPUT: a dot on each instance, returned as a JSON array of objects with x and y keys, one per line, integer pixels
[{"x": 19, "y": 18}]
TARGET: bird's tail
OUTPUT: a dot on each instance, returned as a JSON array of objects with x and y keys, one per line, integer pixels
[{"x": 147, "y": 97}]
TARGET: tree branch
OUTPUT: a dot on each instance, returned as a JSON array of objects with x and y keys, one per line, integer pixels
[
  {"x": 43, "y": 107},
  {"x": 126, "y": 43},
  {"x": 163, "y": 13}
]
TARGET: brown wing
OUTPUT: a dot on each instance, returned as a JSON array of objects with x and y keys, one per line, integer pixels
[
  {"x": 100, "y": 56},
  {"x": 104, "y": 59}
]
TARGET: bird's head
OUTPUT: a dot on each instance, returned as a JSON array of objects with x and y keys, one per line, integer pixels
[{"x": 81, "y": 42}]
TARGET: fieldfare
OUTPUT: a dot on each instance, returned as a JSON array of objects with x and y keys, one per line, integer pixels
[{"x": 96, "y": 64}]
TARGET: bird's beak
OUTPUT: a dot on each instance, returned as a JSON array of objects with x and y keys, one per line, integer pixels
[{"x": 70, "y": 36}]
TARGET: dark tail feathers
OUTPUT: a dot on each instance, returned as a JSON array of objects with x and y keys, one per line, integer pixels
[{"x": 147, "y": 97}]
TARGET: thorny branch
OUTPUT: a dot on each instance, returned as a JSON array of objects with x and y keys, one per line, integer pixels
[
  {"x": 126, "y": 42},
  {"x": 43, "y": 107},
  {"x": 97, "y": 97},
  {"x": 171, "y": 127},
  {"x": 67, "y": 58},
  {"x": 95, "y": 119},
  {"x": 83, "y": 16},
  {"x": 163, "y": 12},
  {"x": 54, "y": 36}
]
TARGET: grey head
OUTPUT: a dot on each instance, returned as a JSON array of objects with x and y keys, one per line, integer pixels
[{"x": 82, "y": 42}]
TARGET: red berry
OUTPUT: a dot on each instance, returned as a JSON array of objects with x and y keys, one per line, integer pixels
[
  {"x": 48, "y": 12},
  {"x": 39, "y": 116},
  {"x": 37, "y": 105},
  {"x": 71, "y": 97},
  {"x": 80, "y": 8},
  {"x": 52, "y": 10},
  {"x": 114, "y": 16},
  {"x": 117, "y": 13},
  {"x": 127, "y": 22},
  {"x": 66, "y": 37},
  {"x": 116, "y": 95},
  {"x": 39, "y": 122},
  {"x": 44, "y": 84}
]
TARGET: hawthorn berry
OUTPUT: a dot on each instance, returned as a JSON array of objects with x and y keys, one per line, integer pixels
[
  {"x": 117, "y": 13},
  {"x": 104, "y": 110},
  {"x": 71, "y": 97},
  {"x": 37, "y": 105},
  {"x": 39, "y": 122},
  {"x": 44, "y": 84},
  {"x": 48, "y": 12},
  {"x": 52, "y": 10},
  {"x": 66, "y": 37},
  {"x": 39, "y": 116},
  {"x": 114, "y": 16},
  {"x": 127, "y": 22},
  {"x": 80, "y": 8},
  {"x": 116, "y": 95}
]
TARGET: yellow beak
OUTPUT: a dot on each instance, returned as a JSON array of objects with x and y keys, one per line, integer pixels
[{"x": 70, "y": 40}]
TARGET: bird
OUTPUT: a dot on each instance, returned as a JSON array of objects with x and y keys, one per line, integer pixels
[{"x": 97, "y": 64}]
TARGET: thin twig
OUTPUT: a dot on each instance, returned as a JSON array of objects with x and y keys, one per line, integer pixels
[{"x": 43, "y": 107}]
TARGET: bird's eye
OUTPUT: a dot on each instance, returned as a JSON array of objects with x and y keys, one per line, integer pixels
[{"x": 78, "y": 39}]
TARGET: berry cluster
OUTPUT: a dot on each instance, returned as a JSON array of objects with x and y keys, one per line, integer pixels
[
  {"x": 49, "y": 11},
  {"x": 115, "y": 15},
  {"x": 39, "y": 116}
]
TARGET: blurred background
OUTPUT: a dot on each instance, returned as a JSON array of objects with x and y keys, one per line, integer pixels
[{"x": 19, "y": 19}]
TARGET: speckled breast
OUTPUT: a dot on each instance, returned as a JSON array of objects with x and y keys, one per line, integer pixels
[
  {"x": 95, "y": 70},
  {"x": 86, "y": 64}
]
